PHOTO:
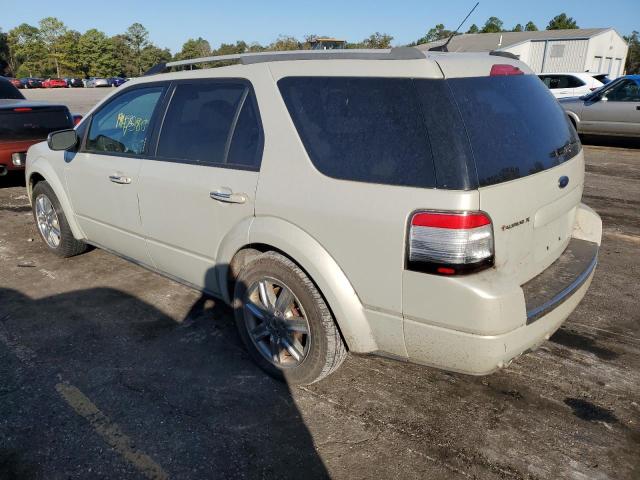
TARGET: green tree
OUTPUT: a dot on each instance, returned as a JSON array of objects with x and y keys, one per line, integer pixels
[
  {"x": 69, "y": 60},
  {"x": 284, "y": 42},
  {"x": 434, "y": 34},
  {"x": 377, "y": 40},
  {"x": 530, "y": 27},
  {"x": 137, "y": 38},
  {"x": 26, "y": 51},
  {"x": 124, "y": 56},
  {"x": 632, "y": 66},
  {"x": 96, "y": 55},
  {"x": 152, "y": 55},
  {"x": 194, "y": 48},
  {"x": 473, "y": 28},
  {"x": 517, "y": 28},
  {"x": 493, "y": 25},
  {"x": 4, "y": 52},
  {"x": 51, "y": 32},
  {"x": 562, "y": 22}
]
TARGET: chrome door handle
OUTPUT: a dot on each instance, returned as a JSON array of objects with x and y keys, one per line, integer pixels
[
  {"x": 120, "y": 179},
  {"x": 227, "y": 196}
]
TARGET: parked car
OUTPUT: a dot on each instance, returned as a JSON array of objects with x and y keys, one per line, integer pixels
[
  {"x": 570, "y": 84},
  {"x": 611, "y": 110},
  {"x": 74, "y": 82},
  {"x": 31, "y": 82},
  {"x": 117, "y": 81},
  {"x": 15, "y": 82},
  {"x": 23, "y": 123},
  {"x": 95, "y": 82},
  {"x": 423, "y": 206},
  {"x": 54, "y": 83}
]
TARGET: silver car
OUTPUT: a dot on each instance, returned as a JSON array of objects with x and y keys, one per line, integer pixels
[
  {"x": 95, "y": 82},
  {"x": 611, "y": 110},
  {"x": 421, "y": 206}
]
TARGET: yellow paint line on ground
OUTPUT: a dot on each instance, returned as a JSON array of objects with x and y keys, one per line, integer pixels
[{"x": 110, "y": 431}]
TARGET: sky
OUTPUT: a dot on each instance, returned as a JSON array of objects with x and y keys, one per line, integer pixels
[{"x": 172, "y": 22}]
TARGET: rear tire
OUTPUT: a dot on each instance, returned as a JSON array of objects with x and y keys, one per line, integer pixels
[
  {"x": 52, "y": 223},
  {"x": 291, "y": 334}
]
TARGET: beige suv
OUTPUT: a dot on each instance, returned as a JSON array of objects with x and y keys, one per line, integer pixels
[{"x": 421, "y": 206}]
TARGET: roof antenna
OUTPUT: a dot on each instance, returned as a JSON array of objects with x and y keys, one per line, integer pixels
[{"x": 443, "y": 47}]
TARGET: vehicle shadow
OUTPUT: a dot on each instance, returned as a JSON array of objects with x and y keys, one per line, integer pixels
[
  {"x": 183, "y": 394},
  {"x": 617, "y": 142},
  {"x": 12, "y": 179}
]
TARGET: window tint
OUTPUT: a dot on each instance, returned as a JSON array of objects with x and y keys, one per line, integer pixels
[
  {"x": 515, "y": 127},
  {"x": 574, "y": 82},
  {"x": 33, "y": 124},
  {"x": 122, "y": 125},
  {"x": 625, "y": 91},
  {"x": 199, "y": 120},
  {"x": 246, "y": 143},
  {"x": 362, "y": 129},
  {"x": 7, "y": 90}
]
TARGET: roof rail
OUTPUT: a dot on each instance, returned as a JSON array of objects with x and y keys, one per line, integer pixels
[{"x": 399, "y": 53}]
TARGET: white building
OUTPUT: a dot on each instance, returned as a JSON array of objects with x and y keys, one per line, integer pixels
[{"x": 598, "y": 50}]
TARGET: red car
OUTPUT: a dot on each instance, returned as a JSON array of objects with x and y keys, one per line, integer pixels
[
  {"x": 23, "y": 123},
  {"x": 15, "y": 82},
  {"x": 54, "y": 83}
]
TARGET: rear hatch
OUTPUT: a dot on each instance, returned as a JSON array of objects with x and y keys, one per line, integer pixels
[
  {"x": 31, "y": 122},
  {"x": 529, "y": 167}
]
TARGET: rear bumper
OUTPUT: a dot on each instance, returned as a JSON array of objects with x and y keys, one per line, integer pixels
[{"x": 537, "y": 309}]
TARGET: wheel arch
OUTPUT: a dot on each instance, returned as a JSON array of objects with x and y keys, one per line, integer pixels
[
  {"x": 276, "y": 234},
  {"x": 573, "y": 118},
  {"x": 41, "y": 171}
]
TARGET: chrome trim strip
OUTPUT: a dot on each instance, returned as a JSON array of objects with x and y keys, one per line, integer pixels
[{"x": 563, "y": 294}]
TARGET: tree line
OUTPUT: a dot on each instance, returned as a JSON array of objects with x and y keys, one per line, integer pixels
[{"x": 50, "y": 49}]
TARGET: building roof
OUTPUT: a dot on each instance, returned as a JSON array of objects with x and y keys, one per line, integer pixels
[{"x": 486, "y": 42}]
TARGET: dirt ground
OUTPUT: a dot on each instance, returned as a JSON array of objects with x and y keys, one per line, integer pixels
[{"x": 110, "y": 371}]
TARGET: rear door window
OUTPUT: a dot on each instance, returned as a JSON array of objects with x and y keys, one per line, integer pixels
[
  {"x": 32, "y": 123},
  {"x": 362, "y": 129},
  {"x": 199, "y": 122},
  {"x": 123, "y": 124}
]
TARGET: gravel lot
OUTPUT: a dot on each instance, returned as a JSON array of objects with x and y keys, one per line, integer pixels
[{"x": 110, "y": 371}]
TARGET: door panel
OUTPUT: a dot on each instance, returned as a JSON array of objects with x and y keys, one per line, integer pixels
[
  {"x": 619, "y": 114},
  {"x": 183, "y": 224},
  {"x": 103, "y": 177},
  {"x": 203, "y": 180}
]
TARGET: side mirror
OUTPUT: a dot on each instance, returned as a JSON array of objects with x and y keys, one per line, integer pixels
[{"x": 62, "y": 140}]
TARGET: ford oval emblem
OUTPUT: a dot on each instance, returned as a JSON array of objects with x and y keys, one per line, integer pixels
[{"x": 563, "y": 181}]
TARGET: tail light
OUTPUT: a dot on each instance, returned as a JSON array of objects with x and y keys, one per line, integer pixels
[
  {"x": 77, "y": 119},
  {"x": 499, "y": 70},
  {"x": 450, "y": 243}
]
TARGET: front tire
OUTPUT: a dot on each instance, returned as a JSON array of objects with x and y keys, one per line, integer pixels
[
  {"x": 284, "y": 322},
  {"x": 52, "y": 223}
]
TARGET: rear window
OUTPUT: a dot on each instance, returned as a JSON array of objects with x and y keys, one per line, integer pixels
[
  {"x": 451, "y": 134},
  {"x": 32, "y": 124},
  {"x": 515, "y": 126}
]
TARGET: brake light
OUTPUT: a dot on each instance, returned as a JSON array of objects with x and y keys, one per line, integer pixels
[
  {"x": 500, "y": 69},
  {"x": 450, "y": 243},
  {"x": 22, "y": 109},
  {"x": 77, "y": 119}
]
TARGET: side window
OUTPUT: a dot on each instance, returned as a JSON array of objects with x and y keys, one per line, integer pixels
[
  {"x": 546, "y": 80},
  {"x": 198, "y": 121},
  {"x": 245, "y": 148},
  {"x": 625, "y": 91},
  {"x": 122, "y": 125},
  {"x": 575, "y": 82}
]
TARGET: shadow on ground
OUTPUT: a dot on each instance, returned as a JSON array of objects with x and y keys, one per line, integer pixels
[
  {"x": 603, "y": 141},
  {"x": 12, "y": 179},
  {"x": 185, "y": 394}
]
